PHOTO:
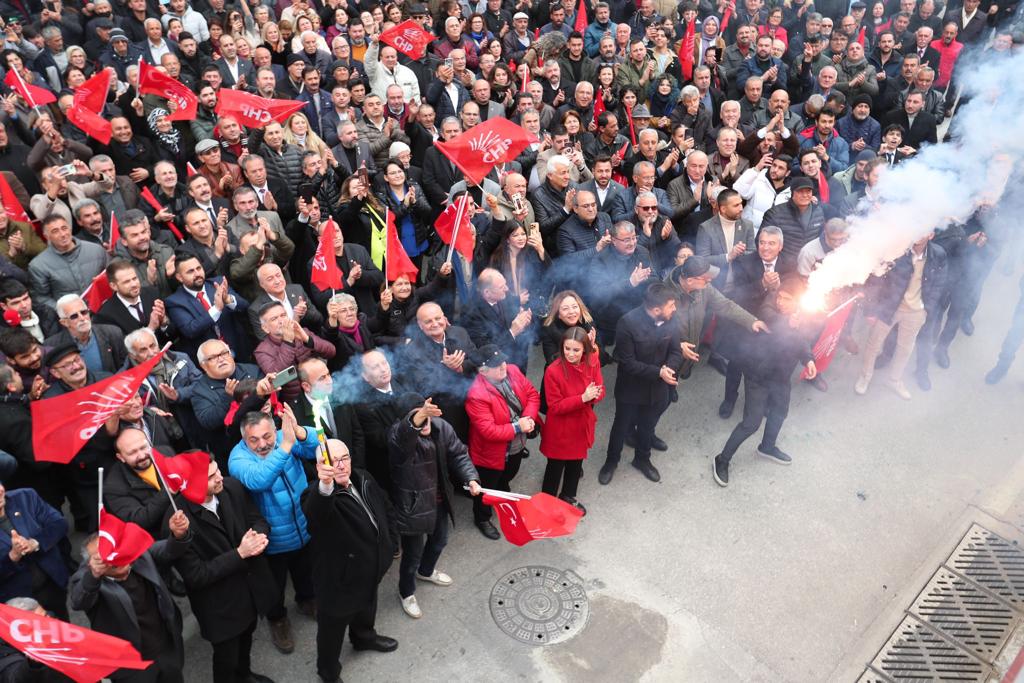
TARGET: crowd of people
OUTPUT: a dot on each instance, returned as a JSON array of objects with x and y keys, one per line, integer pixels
[{"x": 694, "y": 164}]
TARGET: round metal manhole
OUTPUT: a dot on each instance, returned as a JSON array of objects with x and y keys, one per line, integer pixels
[{"x": 540, "y": 605}]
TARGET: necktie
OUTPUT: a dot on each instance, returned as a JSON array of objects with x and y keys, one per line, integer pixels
[
  {"x": 263, "y": 193},
  {"x": 769, "y": 267},
  {"x": 138, "y": 310},
  {"x": 212, "y": 215},
  {"x": 201, "y": 296}
]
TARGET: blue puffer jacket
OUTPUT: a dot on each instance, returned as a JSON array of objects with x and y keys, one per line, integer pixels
[{"x": 276, "y": 482}]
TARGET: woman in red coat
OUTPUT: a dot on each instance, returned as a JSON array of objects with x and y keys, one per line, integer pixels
[{"x": 572, "y": 385}]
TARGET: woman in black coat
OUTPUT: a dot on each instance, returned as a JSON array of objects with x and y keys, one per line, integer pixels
[
  {"x": 398, "y": 305},
  {"x": 348, "y": 329},
  {"x": 413, "y": 215}
]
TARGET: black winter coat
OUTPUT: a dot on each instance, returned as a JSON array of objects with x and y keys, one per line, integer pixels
[
  {"x": 641, "y": 349},
  {"x": 886, "y": 292},
  {"x": 786, "y": 217}
]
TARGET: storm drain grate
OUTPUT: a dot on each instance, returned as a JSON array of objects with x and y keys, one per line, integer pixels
[
  {"x": 961, "y": 619},
  {"x": 540, "y": 605}
]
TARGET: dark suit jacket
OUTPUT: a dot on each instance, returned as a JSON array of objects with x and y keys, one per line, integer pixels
[
  {"x": 614, "y": 190},
  {"x": 32, "y": 518},
  {"x": 488, "y": 324},
  {"x": 109, "y": 339},
  {"x": 196, "y": 326},
  {"x": 312, "y": 321},
  {"x": 925, "y": 128},
  {"x": 747, "y": 272},
  {"x": 315, "y": 121},
  {"x": 114, "y": 312},
  {"x": 131, "y": 499},
  {"x": 439, "y": 174},
  {"x": 931, "y": 56},
  {"x": 283, "y": 195},
  {"x": 147, "y": 54},
  {"x": 244, "y": 69},
  {"x": 641, "y": 349},
  {"x": 362, "y": 155},
  {"x": 217, "y": 204},
  {"x": 442, "y": 104},
  {"x": 348, "y": 428}
]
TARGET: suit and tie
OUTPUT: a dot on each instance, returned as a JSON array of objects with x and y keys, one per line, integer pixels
[
  {"x": 216, "y": 204},
  {"x": 688, "y": 213},
  {"x": 283, "y": 197},
  {"x": 439, "y": 174},
  {"x": 192, "y": 318},
  {"x": 340, "y": 421},
  {"x": 116, "y": 312},
  {"x": 489, "y": 324},
  {"x": 924, "y": 129}
]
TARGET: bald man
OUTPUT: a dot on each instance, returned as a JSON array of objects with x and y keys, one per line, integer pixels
[{"x": 274, "y": 286}]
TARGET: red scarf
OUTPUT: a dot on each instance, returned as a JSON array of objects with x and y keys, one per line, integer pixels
[{"x": 822, "y": 187}]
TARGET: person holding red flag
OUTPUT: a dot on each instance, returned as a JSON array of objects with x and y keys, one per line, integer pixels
[
  {"x": 133, "y": 489},
  {"x": 133, "y": 603}
]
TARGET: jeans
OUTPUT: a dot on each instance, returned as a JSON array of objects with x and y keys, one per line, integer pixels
[
  {"x": 299, "y": 564},
  {"x": 760, "y": 400},
  {"x": 908, "y": 324},
  {"x": 495, "y": 479},
  {"x": 630, "y": 416},
  {"x": 564, "y": 472},
  {"x": 231, "y": 657},
  {"x": 330, "y": 636},
  {"x": 420, "y": 553}
]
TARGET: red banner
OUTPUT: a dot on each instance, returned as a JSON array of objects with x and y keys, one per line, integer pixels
[
  {"x": 153, "y": 81},
  {"x": 326, "y": 272},
  {"x": 409, "y": 38},
  {"x": 120, "y": 542},
  {"x": 454, "y": 223},
  {"x": 252, "y": 110},
  {"x": 825, "y": 348},
  {"x": 396, "y": 261},
  {"x": 686, "y": 51},
  {"x": 539, "y": 516},
  {"x": 86, "y": 111},
  {"x": 15, "y": 211},
  {"x": 81, "y": 654},
  {"x": 580, "y": 24},
  {"x": 483, "y": 147},
  {"x": 33, "y": 95},
  {"x": 62, "y": 424},
  {"x": 185, "y": 473},
  {"x": 115, "y": 237}
]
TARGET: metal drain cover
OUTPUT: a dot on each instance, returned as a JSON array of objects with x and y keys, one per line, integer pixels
[{"x": 540, "y": 605}]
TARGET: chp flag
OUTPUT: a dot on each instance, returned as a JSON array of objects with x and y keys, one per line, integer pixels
[
  {"x": 63, "y": 424},
  {"x": 81, "y": 654},
  {"x": 409, "y": 38},
  {"x": 482, "y": 147},
  {"x": 326, "y": 271},
  {"x": 252, "y": 110},
  {"x": 825, "y": 348},
  {"x": 86, "y": 111},
  {"x": 153, "y": 81},
  {"x": 527, "y": 518}
]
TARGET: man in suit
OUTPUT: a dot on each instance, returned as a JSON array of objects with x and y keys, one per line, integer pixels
[
  {"x": 101, "y": 346},
  {"x": 923, "y": 48},
  {"x": 377, "y": 407},
  {"x": 133, "y": 603},
  {"x": 725, "y": 236},
  {"x": 338, "y": 420},
  {"x": 439, "y": 173},
  {"x": 202, "y": 310},
  {"x": 155, "y": 46},
  {"x": 233, "y": 68},
  {"x": 644, "y": 177},
  {"x": 318, "y": 101},
  {"x": 133, "y": 306},
  {"x": 496, "y": 318},
  {"x": 604, "y": 188},
  {"x": 351, "y": 152},
  {"x": 227, "y": 578},
  {"x": 970, "y": 21},
  {"x": 445, "y": 94},
  {"x": 201, "y": 195},
  {"x": 272, "y": 193},
  {"x": 921, "y": 126},
  {"x": 646, "y": 351},
  {"x": 293, "y": 297},
  {"x": 688, "y": 195}
]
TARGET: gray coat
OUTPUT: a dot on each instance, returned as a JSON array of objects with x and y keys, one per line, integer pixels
[
  {"x": 711, "y": 243},
  {"x": 52, "y": 275}
]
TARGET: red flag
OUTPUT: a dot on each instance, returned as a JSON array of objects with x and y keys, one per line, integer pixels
[
  {"x": 81, "y": 654},
  {"x": 190, "y": 169},
  {"x": 151, "y": 200},
  {"x": 62, "y": 424},
  {"x": 455, "y": 222},
  {"x": 185, "y": 473},
  {"x": 86, "y": 111},
  {"x": 33, "y": 95},
  {"x": 326, "y": 273},
  {"x": 860, "y": 36},
  {"x": 825, "y": 348},
  {"x": 120, "y": 542},
  {"x": 397, "y": 262},
  {"x": 581, "y": 17},
  {"x": 632, "y": 130},
  {"x": 599, "y": 107},
  {"x": 15, "y": 211},
  {"x": 482, "y": 147},
  {"x": 252, "y": 110},
  {"x": 726, "y": 16},
  {"x": 686, "y": 50},
  {"x": 98, "y": 291},
  {"x": 526, "y": 80},
  {"x": 153, "y": 81},
  {"x": 115, "y": 237},
  {"x": 409, "y": 38},
  {"x": 540, "y": 516}
]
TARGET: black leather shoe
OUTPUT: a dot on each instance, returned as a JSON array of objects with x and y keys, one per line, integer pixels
[
  {"x": 719, "y": 364},
  {"x": 575, "y": 503},
  {"x": 488, "y": 530},
  {"x": 725, "y": 409},
  {"x": 648, "y": 470},
  {"x": 379, "y": 644},
  {"x": 942, "y": 357},
  {"x": 924, "y": 381},
  {"x": 604, "y": 477},
  {"x": 967, "y": 326},
  {"x": 657, "y": 443}
]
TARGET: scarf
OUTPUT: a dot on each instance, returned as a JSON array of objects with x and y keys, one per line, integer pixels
[
  {"x": 822, "y": 188},
  {"x": 169, "y": 139},
  {"x": 353, "y": 332}
]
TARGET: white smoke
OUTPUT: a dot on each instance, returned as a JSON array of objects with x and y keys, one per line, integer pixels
[{"x": 942, "y": 184}]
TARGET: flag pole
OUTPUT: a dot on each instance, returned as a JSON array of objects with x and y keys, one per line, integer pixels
[
  {"x": 501, "y": 494},
  {"x": 99, "y": 486},
  {"x": 387, "y": 285},
  {"x": 163, "y": 482},
  {"x": 460, "y": 212}
]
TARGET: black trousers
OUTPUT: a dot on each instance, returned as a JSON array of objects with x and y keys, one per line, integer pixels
[
  {"x": 231, "y": 657},
  {"x": 564, "y": 472},
  {"x": 299, "y": 564},
  {"x": 733, "y": 376},
  {"x": 330, "y": 636},
  {"x": 495, "y": 479},
  {"x": 632, "y": 417},
  {"x": 760, "y": 400}
]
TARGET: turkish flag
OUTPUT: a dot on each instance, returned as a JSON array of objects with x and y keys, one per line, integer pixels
[
  {"x": 326, "y": 273},
  {"x": 147, "y": 194},
  {"x": 825, "y": 348},
  {"x": 397, "y": 262},
  {"x": 15, "y": 211},
  {"x": 483, "y": 147},
  {"x": 581, "y": 18},
  {"x": 33, "y": 95},
  {"x": 409, "y": 38},
  {"x": 98, "y": 291},
  {"x": 62, "y": 424},
  {"x": 599, "y": 107},
  {"x": 81, "y": 654},
  {"x": 454, "y": 224},
  {"x": 120, "y": 542},
  {"x": 153, "y": 81},
  {"x": 252, "y": 110},
  {"x": 686, "y": 51},
  {"x": 115, "y": 237},
  {"x": 539, "y": 516},
  {"x": 860, "y": 36},
  {"x": 190, "y": 169},
  {"x": 185, "y": 473},
  {"x": 86, "y": 111}
]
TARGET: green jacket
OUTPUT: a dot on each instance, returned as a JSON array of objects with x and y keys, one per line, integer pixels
[{"x": 693, "y": 309}]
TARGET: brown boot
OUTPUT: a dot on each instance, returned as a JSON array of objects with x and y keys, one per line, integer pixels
[{"x": 281, "y": 635}]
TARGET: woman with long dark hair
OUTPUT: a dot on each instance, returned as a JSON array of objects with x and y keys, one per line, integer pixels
[
  {"x": 573, "y": 385},
  {"x": 407, "y": 201}
]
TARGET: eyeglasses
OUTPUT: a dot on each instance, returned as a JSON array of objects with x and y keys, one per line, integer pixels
[
  {"x": 344, "y": 458},
  {"x": 77, "y": 360},
  {"x": 647, "y": 208},
  {"x": 216, "y": 356},
  {"x": 79, "y": 314},
  {"x": 625, "y": 240}
]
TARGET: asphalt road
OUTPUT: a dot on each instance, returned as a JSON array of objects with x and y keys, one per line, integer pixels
[{"x": 787, "y": 575}]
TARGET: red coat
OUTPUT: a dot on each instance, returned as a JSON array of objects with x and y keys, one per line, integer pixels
[
  {"x": 490, "y": 421},
  {"x": 948, "y": 54},
  {"x": 569, "y": 430}
]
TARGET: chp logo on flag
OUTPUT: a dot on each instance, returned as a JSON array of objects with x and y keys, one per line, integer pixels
[
  {"x": 100, "y": 405},
  {"x": 482, "y": 147},
  {"x": 492, "y": 145},
  {"x": 409, "y": 38}
]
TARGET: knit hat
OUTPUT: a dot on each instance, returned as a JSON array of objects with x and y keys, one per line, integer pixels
[
  {"x": 397, "y": 148},
  {"x": 865, "y": 155},
  {"x": 861, "y": 99},
  {"x": 118, "y": 34},
  {"x": 292, "y": 58}
]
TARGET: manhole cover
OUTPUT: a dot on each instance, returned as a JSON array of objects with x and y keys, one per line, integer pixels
[{"x": 540, "y": 605}]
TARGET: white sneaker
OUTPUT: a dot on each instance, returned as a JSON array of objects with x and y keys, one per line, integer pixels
[
  {"x": 439, "y": 578},
  {"x": 861, "y": 387},
  {"x": 411, "y": 607}
]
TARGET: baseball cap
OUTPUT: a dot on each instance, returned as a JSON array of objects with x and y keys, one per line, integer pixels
[
  {"x": 491, "y": 356},
  {"x": 801, "y": 183}
]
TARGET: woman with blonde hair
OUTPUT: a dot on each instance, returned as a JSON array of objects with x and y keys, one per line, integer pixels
[
  {"x": 298, "y": 132},
  {"x": 567, "y": 310},
  {"x": 274, "y": 41}
]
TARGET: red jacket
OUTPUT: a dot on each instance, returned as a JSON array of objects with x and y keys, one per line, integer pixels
[
  {"x": 948, "y": 54},
  {"x": 569, "y": 430},
  {"x": 490, "y": 421}
]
